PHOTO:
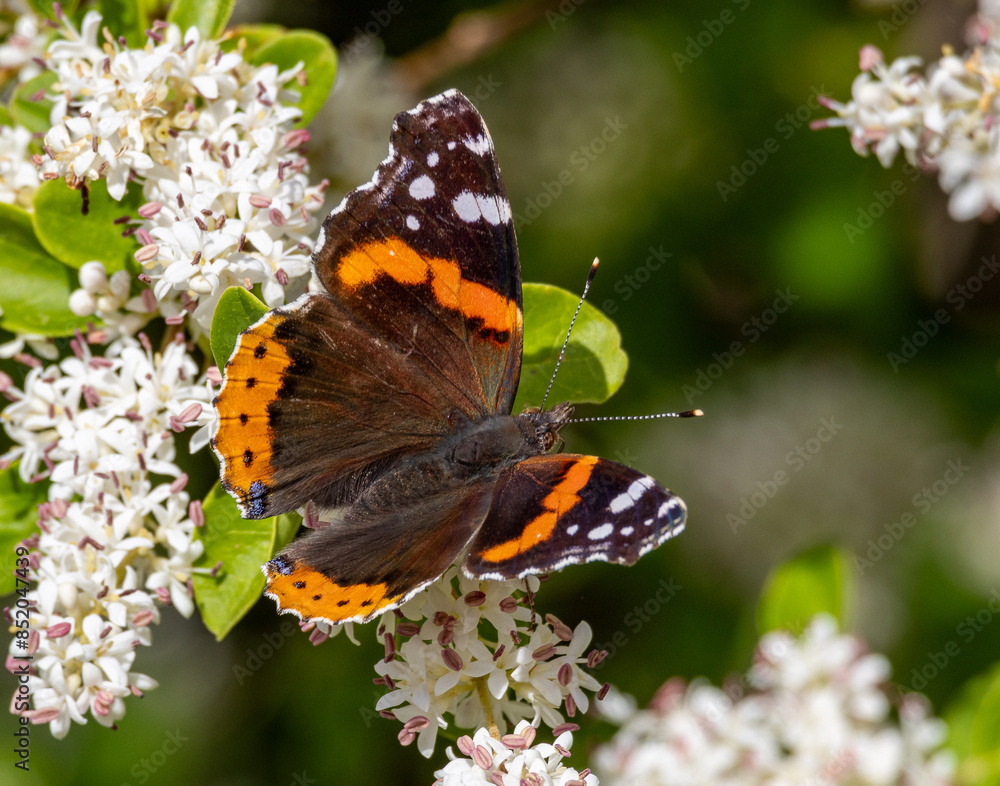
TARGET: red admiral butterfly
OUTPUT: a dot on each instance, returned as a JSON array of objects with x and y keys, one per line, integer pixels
[{"x": 386, "y": 398}]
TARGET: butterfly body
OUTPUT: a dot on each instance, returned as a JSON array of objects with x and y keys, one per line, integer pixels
[{"x": 385, "y": 399}]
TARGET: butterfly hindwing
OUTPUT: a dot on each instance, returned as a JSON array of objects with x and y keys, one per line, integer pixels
[
  {"x": 555, "y": 510},
  {"x": 425, "y": 254},
  {"x": 377, "y": 554}
]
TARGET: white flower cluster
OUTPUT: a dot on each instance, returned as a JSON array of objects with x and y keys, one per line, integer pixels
[
  {"x": 116, "y": 537},
  {"x": 227, "y": 200},
  {"x": 446, "y": 666},
  {"x": 18, "y": 175},
  {"x": 24, "y": 47},
  {"x": 513, "y": 760},
  {"x": 818, "y": 714},
  {"x": 946, "y": 121}
]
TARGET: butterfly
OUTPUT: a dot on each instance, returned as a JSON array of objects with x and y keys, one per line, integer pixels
[{"x": 385, "y": 399}]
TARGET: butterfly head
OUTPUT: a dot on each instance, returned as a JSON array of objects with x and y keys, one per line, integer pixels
[{"x": 542, "y": 425}]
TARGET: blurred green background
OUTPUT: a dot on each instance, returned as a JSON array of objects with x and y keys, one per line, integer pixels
[{"x": 758, "y": 270}]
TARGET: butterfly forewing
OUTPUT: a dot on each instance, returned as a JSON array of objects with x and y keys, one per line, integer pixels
[{"x": 426, "y": 254}]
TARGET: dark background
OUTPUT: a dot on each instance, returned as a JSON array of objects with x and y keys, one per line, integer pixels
[{"x": 687, "y": 114}]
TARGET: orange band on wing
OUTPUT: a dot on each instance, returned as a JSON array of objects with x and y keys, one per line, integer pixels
[
  {"x": 310, "y": 594},
  {"x": 401, "y": 262},
  {"x": 563, "y": 497},
  {"x": 254, "y": 375}
]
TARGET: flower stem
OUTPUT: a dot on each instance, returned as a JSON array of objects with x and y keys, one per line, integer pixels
[{"x": 484, "y": 698}]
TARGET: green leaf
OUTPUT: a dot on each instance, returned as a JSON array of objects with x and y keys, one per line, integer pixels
[
  {"x": 818, "y": 580},
  {"x": 209, "y": 16},
  {"x": 33, "y": 115},
  {"x": 595, "y": 364},
  {"x": 75, "y": 238},
  {"x": 236, "y": 310},
  {"x": 125, "y": 18},
  {"x": 18, "y": 515},
  {"x": 242, "y": 545},
  {"x": 974, "y": 729},
  {"x": 286, "y": 527},
  {"x": 319, "y": 59},
  {"x": 44, "y": 7},
  {"x": 253, "y": 38},
  {"x": 36, "y": 287},
  {"x": 5, "y": 118}
]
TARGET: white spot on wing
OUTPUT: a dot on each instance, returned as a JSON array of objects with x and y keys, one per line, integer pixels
[
  {"x": 451, "y": 144},
  {"x": 472, "y": 207},
  {"x": 632, "y": 494},
  {"x": 601, "y": 532},
  {"x": 626, "y": 531},
  {"x": 572, "y": 529},
  {"x": 432, "y": 158},
  {"x": 479, "y": 145},
  {"x": 413, "y": 223},
  {"x": 505, "y": 212},
  {"x": 621, "y": 502},
  {"x": 422, "y": 188},
  {"x": 320, "y": 239}
]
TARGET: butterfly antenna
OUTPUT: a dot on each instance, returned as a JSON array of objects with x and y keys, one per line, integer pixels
[
  {"x": 690, "y": 413},
  {"x": 562, "y": 352}
]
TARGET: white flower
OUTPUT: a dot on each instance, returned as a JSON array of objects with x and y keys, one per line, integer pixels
[
  {"x": 24, "y": 47},
  {"x": 113, "y": 546},
  {"x": 945, "y": 121},
  {"x": 18, "y": 175},
  {"x": 209, "y": 137},
  {"x": 445, "y": 670},
  {"x": 512, "y": 760},
  {"x": 818, "y": 714}
]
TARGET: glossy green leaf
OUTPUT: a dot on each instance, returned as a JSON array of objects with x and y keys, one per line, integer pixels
[
  {"x": 125, "y": 18},
  {"x": 974, "y": 729},
  {"x": 36, "y": 286},
  {"x": 286, "y": 526},
  {"x": 32, "y": 114},
  {"x": 44, "y": 7},
  {"x": 209, "y": 16},
  {"x": 319, "y": 60},
  {"x": 18, "y": 514},
  {"x": 253, "y": 38},
  {"x": 818, "y": 580},
  {"x": 236, "y": 310},
  {"x": 595, "y": 364},
  {"x": 75, "y": 238},
  {"x": 242, "y": 546}
]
